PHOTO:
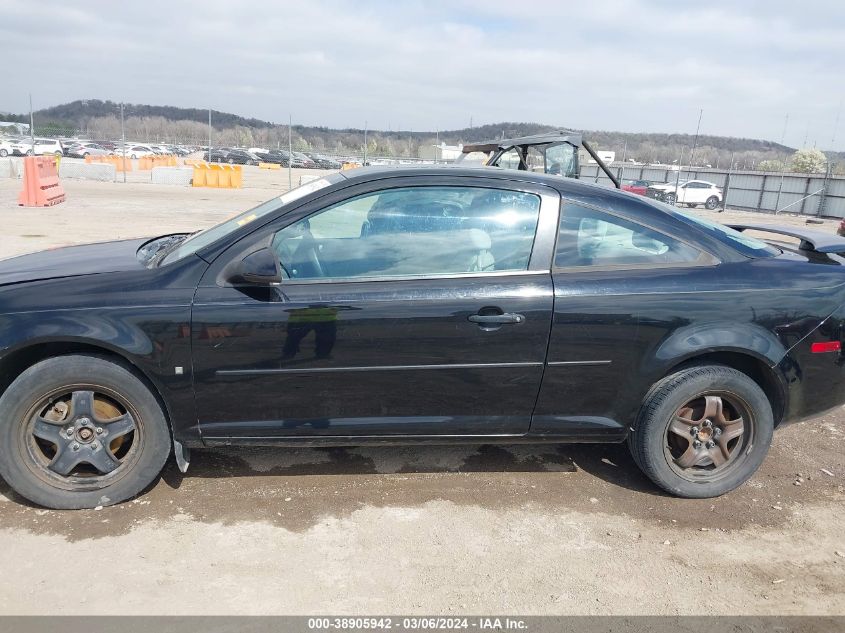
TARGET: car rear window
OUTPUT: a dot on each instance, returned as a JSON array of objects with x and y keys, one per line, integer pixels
[{"x": 748, "y": 246}]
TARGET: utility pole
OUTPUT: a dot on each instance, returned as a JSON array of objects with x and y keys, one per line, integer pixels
[
  {"x": 290, "y": 152},
  {"x": 365, "y": 143},
  {"x": 695, "y": 140},
  {"x": 785, "y": 125},
  {"x": 209, "y": 136},
  {"x": 123, "y": 141},
  {"x": 31, "y": 126},
  {"x": 727, "y": 184},
  {"x": 436, "y": 145}
]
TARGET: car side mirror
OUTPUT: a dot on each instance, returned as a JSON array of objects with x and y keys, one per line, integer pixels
[{"x": 259, "y": 268}]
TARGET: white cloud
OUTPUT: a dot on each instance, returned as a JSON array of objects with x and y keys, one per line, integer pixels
[{"x": 632, "y": 65}]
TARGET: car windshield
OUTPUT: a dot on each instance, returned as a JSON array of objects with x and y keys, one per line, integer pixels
[
  {"x": 203, "y": 238},
  {"x": 748, "y": 246}
]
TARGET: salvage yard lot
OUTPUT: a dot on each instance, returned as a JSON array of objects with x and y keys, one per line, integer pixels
[{"x": 475, "y": 529}]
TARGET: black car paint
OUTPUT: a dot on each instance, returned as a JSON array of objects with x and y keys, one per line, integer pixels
[{"x": 404, "y": 362}]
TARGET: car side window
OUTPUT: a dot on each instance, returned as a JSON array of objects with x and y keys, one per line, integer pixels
[
  {"x": 588, "y": 237},
  {"x": 413, "y": 231}
]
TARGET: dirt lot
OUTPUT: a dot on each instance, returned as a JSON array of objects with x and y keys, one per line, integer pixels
[{"x": 529, "y": 530}]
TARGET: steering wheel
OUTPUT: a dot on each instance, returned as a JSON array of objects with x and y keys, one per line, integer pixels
[{"x": 306, "y": 252}]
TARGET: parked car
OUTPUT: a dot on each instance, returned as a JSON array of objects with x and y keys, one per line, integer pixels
[
  {"x": 138, "y": 151},
  {"x": 638, "y": 187},
  {"x": 82, "y": 150},
  {"x": 281, "y": 157},
  {"x": 7, "y": 147},
  {"x": 235, "y": 157},
  {"x": 306, "y": 162},
  {"x": 488, "y": 306},
  {"x": 215, "y": 156},
  {"x": 323, "y": 162},
  {"x": 689, "y": 192},
  {"x": 43, "y": 146}
]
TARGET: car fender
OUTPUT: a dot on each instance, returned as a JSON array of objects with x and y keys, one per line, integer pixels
[{"x": 694, "y": 340}]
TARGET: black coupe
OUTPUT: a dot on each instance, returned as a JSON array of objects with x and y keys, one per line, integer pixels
[{"x": 430, "y": 305}]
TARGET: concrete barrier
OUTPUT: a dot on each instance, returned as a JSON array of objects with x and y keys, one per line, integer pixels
[
  {"x": 8, "y": 168},
  {"x": 172, "y": 175},
  {"x": 106, "y": 173}
]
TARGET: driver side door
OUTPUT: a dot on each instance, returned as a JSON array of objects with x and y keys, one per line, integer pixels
[{"x": 416, "y": 309}]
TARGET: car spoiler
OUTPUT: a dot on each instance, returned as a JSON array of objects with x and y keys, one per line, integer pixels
[{"x": 810, "y": 240}]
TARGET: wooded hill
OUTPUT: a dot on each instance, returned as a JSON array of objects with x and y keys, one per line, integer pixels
[{"x": 100, "y": 120}]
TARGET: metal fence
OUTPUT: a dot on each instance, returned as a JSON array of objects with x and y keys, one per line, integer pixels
[{"x": 809, "y": 194}]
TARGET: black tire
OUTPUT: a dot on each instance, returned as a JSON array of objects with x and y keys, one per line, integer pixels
[
  {"x": 657, "y": 450},
  {"x": 669, "y": 198},
  {"x": 29, "y": 152},
  {"x": 712, "y": 203},
  {"x": 3, "y": 153},
  {"x": 691, "y": 205},
  {"x": 29, "y": 463},
  {"x": 57, "y": 154}
]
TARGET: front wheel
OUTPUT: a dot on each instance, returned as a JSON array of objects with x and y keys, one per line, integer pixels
[
  {"x": 3, "y": 153},
  {"x": 669, "y": 198},
  {"x": 79, "y": 432},
  {"x": 712, "y": 203},
  {"x": 29, "y": 152},
  {"x": 702, "y": 431}
]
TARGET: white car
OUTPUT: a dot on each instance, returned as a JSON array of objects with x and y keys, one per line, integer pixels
[
  {"x": 6, "y": 147},
  {"x": 81, "y": 150},
  {"x": 138, "y": 151},
  {"x": 689, "y": 192},
  {"x": 43, "y": 146}
]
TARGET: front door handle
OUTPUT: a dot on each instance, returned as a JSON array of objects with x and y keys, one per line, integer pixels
[{"x": 497, "y": 319}]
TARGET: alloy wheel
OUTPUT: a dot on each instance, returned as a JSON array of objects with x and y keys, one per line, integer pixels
[{"x": 705, "y": 438}]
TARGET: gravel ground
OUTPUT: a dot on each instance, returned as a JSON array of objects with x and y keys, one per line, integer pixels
[{"x": 471, "y": 529}]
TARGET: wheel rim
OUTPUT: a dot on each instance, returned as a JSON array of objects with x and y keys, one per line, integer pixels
[
  {"x": 711, "y": 203},
  {"x": 705, "y": 439},
  {"x": 82, "y": 437}
]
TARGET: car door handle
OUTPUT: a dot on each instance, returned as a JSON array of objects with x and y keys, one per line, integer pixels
[{"x": 496, "y": 319}]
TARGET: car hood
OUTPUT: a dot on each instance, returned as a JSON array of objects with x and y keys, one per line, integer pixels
[
  {"x": 71, "y": 261},
  {"x": 663, "y": 187}
]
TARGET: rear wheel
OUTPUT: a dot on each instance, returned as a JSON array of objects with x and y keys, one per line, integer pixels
[
  {"x": 3, "y": 153},
  {"x": 702, "y": 431},
  {"x": 29, "y": 152},
  {"x": 80, "y": 431},
  {"x": 712, "y": 203}
]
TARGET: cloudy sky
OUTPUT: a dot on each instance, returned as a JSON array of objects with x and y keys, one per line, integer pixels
[{"x": 631, "y": 65}]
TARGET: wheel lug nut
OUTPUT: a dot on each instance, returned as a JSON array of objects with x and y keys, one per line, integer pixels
[
  {"x": 708, "y": 423},
  {"x": 717, "y": 432},
  {"x": 694, "y": 430},
  {"x": 94, "y": 446},
  {"x": 99, "y": 430},
  {"x": 711, "y": 444},
  {"x": 696, "y": 444},
  {"x": 75, "y": 447},
  {"x": 69, "y": 432}
]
